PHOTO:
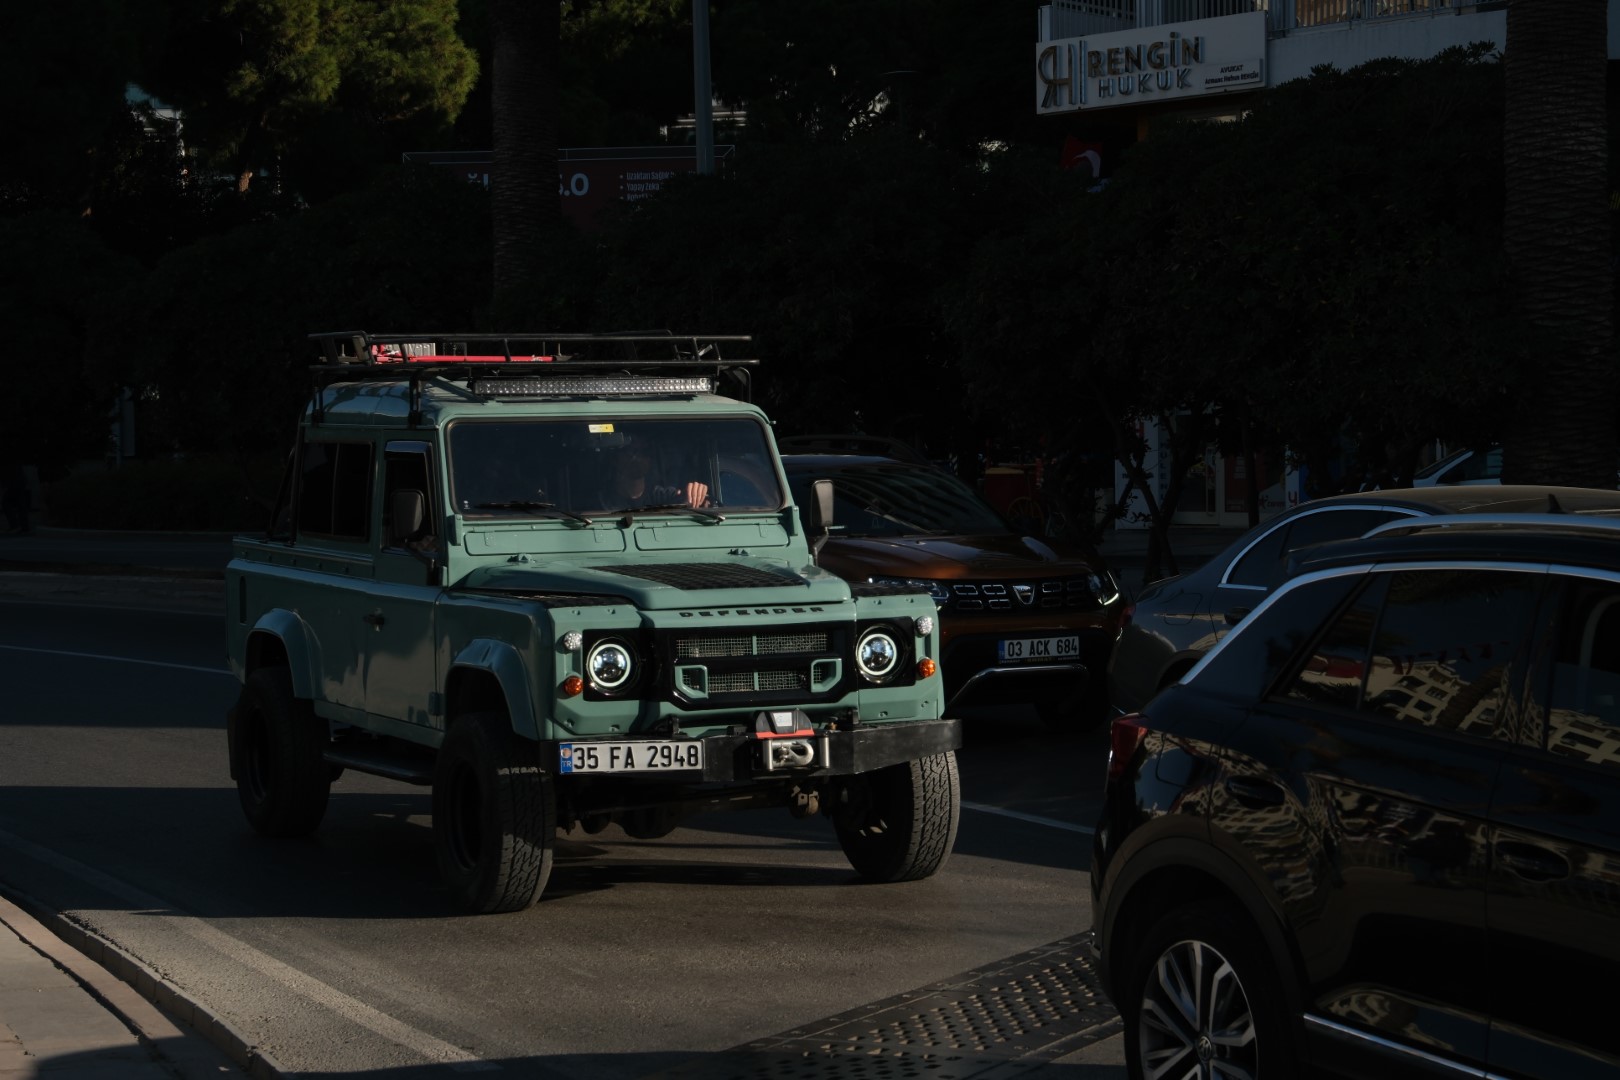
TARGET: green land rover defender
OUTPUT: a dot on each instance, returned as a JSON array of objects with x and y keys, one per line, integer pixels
[{"x": 561, "y": 580}]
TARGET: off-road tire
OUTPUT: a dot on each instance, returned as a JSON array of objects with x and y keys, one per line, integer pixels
[
  {"x": 494, "y": 816},
  {"x": 901, "y": 824},
  {"x": 276, "y": 743},
  {"x": 1205, "y": 964}
]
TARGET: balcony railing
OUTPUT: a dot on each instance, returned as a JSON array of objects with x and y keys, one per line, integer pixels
[{"x": 1078, "y": 18}]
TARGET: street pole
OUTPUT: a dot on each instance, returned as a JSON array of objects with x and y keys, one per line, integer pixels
[{"x": 703, "y": 95}]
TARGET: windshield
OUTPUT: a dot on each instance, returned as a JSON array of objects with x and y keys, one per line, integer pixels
[
  {"x": 571, "y": 468},
  {"x": 884, "y": 499}
]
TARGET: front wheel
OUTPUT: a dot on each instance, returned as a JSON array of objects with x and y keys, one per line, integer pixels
[
  {"x": 494, "y": 816},
  {"x": 1204, "y": 1000},
  {"x": 900, "y": 821}
]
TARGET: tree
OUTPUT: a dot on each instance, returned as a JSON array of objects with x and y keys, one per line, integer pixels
[
  {"x": 253, "y": 77},
  {"x": 526, "y": 207},
  {"x": 1558, "y": 242}
]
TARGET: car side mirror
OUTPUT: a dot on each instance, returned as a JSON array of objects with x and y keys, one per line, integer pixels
[
  {"x": 821, "y": 514},
  {"x": 410, "y": 511}
]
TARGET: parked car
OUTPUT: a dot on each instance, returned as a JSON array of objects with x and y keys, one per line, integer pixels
[
  {"x": 1174, "y": 622},
  {"x": 1022, "y": 620},
  {"x": 1463, "y": 467},
  {"x": 1375, "y": 831}
]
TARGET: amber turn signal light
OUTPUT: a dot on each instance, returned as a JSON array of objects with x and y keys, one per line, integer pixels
[
  {"x": 573, "y": 686},
  {"x": 926, "y": 667}
]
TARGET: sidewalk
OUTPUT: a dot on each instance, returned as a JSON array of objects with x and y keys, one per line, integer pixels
[{"x": 65, "y": 1017}]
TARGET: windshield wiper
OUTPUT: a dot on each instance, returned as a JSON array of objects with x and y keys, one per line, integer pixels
[
  {"x": 548, "y": 509},
  {"x": 706, "y": 514},
  {"x": 904, "y": 524}
]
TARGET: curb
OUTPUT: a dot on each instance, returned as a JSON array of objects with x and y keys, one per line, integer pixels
[{"x": 144, "y": 1000}]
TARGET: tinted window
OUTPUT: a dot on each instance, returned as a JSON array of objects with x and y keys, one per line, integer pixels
[
  {"x": 1250, "y": 660},
  {"x": 1433, "y": 648},
  {"x": 408, "y": 470},
  {"x": 334, "y": 494},
  {"x": 1336, "y": 669},
  {"x": 1266, "y": 563},
  {"x": 1445, "y": 644},
  {"x": 1583, "y": 718}
]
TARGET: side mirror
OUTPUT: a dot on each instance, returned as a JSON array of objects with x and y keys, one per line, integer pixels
[
  {"x": 821, "y": 514},
  {"x": 409, "y": 511}
]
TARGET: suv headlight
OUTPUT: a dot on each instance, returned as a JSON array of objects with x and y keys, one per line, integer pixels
[
  {"x": 934, "y": 589},
  {"x": 610, "y": 664},
  {"x": 877, "y": 654},
  {"x": 1106, "y": 587}
]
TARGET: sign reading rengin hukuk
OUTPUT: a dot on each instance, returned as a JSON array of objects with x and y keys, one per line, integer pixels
[{"x": 1137, "y": 67}]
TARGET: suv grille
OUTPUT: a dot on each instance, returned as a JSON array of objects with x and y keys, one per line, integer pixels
[
  {"x": 731, "y": 667},
  {"x": 984, "y": 597}
]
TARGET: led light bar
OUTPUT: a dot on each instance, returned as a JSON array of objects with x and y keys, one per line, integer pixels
[{"x": 583, "y": 387}]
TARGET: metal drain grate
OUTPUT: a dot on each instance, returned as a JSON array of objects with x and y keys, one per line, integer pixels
[{"x": 999, "y": 1019}]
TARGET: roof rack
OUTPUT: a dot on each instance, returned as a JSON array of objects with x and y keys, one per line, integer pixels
[
  {"x": 1602, "y": 521},
  {"x": 483, "y": 361}
]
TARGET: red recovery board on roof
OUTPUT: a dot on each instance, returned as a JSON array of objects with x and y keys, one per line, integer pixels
[{"x": 407, "y": 354}]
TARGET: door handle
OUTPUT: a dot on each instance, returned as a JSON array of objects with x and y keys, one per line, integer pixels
[
  {"x": 1532, "y": 862},
  {"x": 1236, "y": 615},
  {"x": 375, "y": 619}
]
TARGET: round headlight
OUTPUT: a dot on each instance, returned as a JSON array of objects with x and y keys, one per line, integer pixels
[
  {"x": 877, "y": 655},
  {"x": 610, "y": 665}
]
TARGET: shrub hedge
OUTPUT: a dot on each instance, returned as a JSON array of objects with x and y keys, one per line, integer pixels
[{"x": 208, "y": 494}]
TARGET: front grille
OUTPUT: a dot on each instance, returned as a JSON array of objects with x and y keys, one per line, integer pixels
[
  {"x": 755, "y": 667},
  {"x": 995, "y": 597},
  {"x": 697, "y": 648}
]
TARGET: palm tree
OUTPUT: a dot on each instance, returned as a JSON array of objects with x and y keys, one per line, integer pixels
[
  {"x": 524, "y": 202},
  {"x": 1557, "y": 242}
]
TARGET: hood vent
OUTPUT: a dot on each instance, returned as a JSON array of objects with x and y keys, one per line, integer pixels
[{"x": 708, "y": 576}]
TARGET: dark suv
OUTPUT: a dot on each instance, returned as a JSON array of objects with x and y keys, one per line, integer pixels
[
  {"x": 1022, "y": 620},
  {"x": 1376, "y": 831}
]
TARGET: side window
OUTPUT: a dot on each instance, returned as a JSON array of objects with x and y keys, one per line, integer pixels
[
  {"x": 406, "y": 469},
  {"x": 1445, "y": 645},
  {"x": 1583, "y": 718},
  {"x": 1266, "y": 563},
  {"x": 1256, "y": 566},
  {"x": 1336, "y": 669},
  {"x": 334, "y": 492}
]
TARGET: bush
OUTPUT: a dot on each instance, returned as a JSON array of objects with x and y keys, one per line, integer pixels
[{"x": 209, "y": 494}]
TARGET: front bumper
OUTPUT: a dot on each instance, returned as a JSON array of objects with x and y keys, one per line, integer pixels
[{"x": 730, "y": 758}]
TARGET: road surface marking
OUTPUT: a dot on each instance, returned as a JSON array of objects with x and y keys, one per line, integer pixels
[
  {"x": 124, "y": 659},
  {"x": 1051, "y": 823}
]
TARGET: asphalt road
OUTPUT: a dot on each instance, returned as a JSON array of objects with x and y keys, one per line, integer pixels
[{"x": 340, "y": 954}]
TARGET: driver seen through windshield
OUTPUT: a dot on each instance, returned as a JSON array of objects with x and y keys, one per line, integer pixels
[{"x": 573, "y": 468}]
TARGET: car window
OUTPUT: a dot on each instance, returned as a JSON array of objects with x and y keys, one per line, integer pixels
[
  {"x": 882, "y": 499},
  {"x": 334, "y": 493},
  {"x": 1432, "y": 648},
  {"x": 1266, "y": 564},
  {"x": 1583, "y": 715}
]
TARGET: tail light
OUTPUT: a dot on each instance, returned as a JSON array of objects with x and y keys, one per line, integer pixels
[{"x": 1124, "y": 737}]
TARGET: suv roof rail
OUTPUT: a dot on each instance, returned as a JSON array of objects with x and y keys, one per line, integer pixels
[
  {"x": 1603, "y": 521},
  {"x": 482, "y": 360}
]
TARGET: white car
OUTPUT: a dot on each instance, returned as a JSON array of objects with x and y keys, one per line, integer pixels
[{"x": 1463, "y": 467}]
